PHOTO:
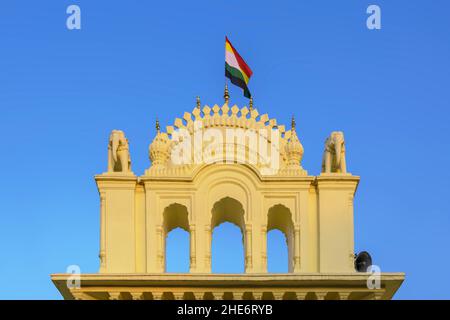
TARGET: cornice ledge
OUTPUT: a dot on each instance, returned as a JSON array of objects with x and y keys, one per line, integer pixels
[
  {"x": 116, "y": 176},
  {"x": 333, "y": 177}
]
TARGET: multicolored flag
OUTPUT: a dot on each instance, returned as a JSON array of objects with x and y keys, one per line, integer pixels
[{"x": 236, "y": 69}]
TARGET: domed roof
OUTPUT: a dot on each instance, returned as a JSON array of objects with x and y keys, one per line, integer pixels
[
  {"x": 160, "y": 148},
  {"x": 222, "y": 118},
  {"x": 294, "y": 148}
]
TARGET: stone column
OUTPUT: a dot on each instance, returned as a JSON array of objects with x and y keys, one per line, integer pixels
[
  {"x": 264, "y": 247},
  {"x": 193, "y": 251},
  {"x": 297, "y": 248},
  {"x": 102, "y": 253},
  {"x": 160, "y": 248},
  {"x": 153, "y": 219},
  {"x": 208, "y": 238},
  {"x": 248, "y": 248}
]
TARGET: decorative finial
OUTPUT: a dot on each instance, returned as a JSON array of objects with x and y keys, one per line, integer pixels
[
  {"x": 226, "y": 95},
  {"x": 250, "y": 104},
  {"x": 293, "y": 123},
  {"x": 198, "y": 102},
  {"x": 158, "y": 128}
]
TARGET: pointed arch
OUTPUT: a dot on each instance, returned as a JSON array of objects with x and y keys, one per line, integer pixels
[
  {"x": 230, "y": 212},
  {"x": 279, "y": 217},
  {"x": 176, "y": 219},
  {"x": 175, "y": 216},
  {"x": 228, "y": 209}
]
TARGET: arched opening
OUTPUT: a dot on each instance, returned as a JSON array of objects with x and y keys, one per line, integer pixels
[
  {"x": 177, "y": 239},
  {"x": 280, "y": 234},
  {"x": 228, "y": 242},
  {"x": 177, "y": 251},
  {"x": 277, "y": 252}
]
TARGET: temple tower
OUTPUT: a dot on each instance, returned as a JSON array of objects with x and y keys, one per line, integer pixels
[{"x": 218, "y": 164}]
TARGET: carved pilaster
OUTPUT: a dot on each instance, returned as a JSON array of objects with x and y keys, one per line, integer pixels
[
  {"x": 248, "y": 248},
  {"x": 264, "y": 248},
  {"x": 351, "y": 254},
  {"x": 297, "y": 249},
  {"x": 193, "y": 251},
  {"x": 160, "y": 249},
  {"x": 102, "y": 253},
  {"x": 208, "y": 248}
]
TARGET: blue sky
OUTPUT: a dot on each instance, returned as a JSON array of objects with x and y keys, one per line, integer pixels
[{"x": 62, "y": 92}]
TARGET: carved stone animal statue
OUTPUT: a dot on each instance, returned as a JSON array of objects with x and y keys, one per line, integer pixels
[
  {"x": 334, "y": 154},
  {"x": 118, "y": 152}
]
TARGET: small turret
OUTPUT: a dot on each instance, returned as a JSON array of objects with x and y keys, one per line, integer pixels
[
  {"x": 159, "y": 150},
  {"x": 294, "y": 149}
]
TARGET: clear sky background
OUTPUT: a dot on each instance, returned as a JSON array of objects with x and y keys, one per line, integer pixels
[{"x": 62, "y": 92}]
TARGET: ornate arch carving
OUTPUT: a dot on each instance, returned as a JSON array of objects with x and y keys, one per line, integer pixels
[
  {"x": 230, "y": 210},
  {"x": 175, "y": 215}
]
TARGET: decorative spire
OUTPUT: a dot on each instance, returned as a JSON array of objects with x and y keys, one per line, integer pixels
[
  {"x": 250, "y": 104},
  {"x": 159, "y": 150},
  {"x": 198, "y": 102},
  {"x": 158, "y": 128},
  {"x": 294, "y": 148},
  {"x": 226, "y": 95}
]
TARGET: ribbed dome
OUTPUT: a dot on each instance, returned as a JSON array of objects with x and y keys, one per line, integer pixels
[
  {"x": 294, "y": 150},
  {"x": 286, "y": 149},
  {"x": 159, "y": 149}
]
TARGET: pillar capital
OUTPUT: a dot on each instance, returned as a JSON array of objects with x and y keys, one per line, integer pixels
[
  {"x": 198, "y": 295},
  {"x": 344, "y": 295},
  {"x": 257, "y": 295},
  {"x": 137, "y": 295},
  {"x": 178, "y": 295},
  {"x": 301, "y": 295},
  {"x": 321, "y": 295},
  {"x": 115, "y": 295},
  {"x": 157, "y": 295},
  {"x": 278, "y": 295}
]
